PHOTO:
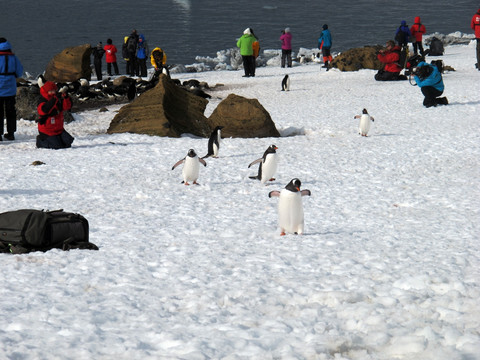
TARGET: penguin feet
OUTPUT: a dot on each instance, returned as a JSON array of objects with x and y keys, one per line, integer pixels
[
  {"x": 282, "y": 233},
  {"x": 186, "y": 183},
  {"x": 272, "y": 179}
]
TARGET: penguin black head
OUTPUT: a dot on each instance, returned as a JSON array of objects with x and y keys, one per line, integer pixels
[
  {"x": 272, "y": 148},
  {"x": 364, "y": 111},
  {"x": 219, "y": 128},
  {"x": 294, "y": 185},
  {"x": 192, "y": 153}
]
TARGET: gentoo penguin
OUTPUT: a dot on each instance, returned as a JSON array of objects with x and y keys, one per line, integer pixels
[
  {"x": 268, "y": 165},
  {"x": 191, "y": 167},
  {"x": 364, "y": 125},
  {"x": 290, "y": 208},
  {"x": 286, "y": 83},
  {"x": 214, "y": 142}
]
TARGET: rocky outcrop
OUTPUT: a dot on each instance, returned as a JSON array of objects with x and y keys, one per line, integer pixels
[
  {"x": 358, "y": 58},
  {"x": 71, "y": 64},
  {"x": 165, "y": 110},
  {"x": 244, "y": 118}
]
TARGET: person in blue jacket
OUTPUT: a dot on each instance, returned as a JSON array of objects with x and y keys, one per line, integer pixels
[
  {"x": 325, "y": 43},
  {"x": 10, "y": 70},
  {"x": 430, "y": 81},
  {"x": 403, "y": 35}
]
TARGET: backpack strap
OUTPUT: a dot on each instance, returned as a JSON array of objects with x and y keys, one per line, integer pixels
[{"x": 6, "y": 73}]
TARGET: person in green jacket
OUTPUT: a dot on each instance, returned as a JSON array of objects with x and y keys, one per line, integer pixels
[{"x": 245, "y": 43}]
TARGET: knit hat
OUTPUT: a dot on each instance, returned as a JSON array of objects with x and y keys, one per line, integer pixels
[
  {"x": 109, "y": 41},
  {"x": 247, "y": 31},
  {"x": 287, "y": 30},
  {"x": 325, "y": 27}
]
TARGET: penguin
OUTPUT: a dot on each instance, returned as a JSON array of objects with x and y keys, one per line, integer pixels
[
  {"x": 214, "y": 142},
  {"x": 191, "y": 167},
  {"x": 290, "y": 207},
  {"x": 286, "y": 83},
  {"x": 268, "y": 165},
  {"x": 364, "y": 125}
]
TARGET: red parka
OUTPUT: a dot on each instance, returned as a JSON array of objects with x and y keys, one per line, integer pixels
[
  {"x": 110, "y": 51},
  {"x": 51, "y": 108},
  {"x": 418, "y": 29},
  {"x": 390, "y": 59},
  {"x": 475, "y": 24}
]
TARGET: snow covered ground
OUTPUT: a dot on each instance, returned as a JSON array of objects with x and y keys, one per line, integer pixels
[{"x": 389, "y": 266}]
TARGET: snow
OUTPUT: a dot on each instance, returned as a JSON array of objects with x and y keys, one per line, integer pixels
[{"x": 388, "y": 267}]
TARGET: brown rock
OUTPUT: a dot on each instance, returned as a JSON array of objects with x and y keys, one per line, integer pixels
[
  {"x": 165, "y": 110},
  {"x": 358, "y": 58},
  {"x": 244, "y": 118},
  {"x": 71, "y": 64}
]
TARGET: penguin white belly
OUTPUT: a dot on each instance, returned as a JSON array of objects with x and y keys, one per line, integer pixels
[
  {"x": 364, "y": 125},
  {"x": 290, "y": 212},
  {"x": 215, "y": 150},
  {"x": 269, "y": 167},
  {"x": 190, "y": 169}
]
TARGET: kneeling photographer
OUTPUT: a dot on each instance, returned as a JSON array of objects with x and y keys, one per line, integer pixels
[{"x": 429, "y": 79}]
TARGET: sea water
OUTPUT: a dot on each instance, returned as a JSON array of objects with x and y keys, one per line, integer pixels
[{"x": 185, "y": 29}]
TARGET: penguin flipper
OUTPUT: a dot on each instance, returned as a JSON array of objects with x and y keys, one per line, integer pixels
[
  {"x": 202, "y": 161},
  {"x": 357, "y": 116},
  {"x": 305, "y": 192},
  {"x": 206, "y": 156},
  {"x": 371, "y": 117},
  {"x": 274, "y": 193},
  {"x": 254, "y": 177},
  {"x": 255, "y": 162},
  {"x": 178, "y": 163}
]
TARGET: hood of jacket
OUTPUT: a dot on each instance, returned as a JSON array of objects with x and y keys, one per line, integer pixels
[
  {"x": 5, "y": 46},
  {"x": 403, "y": 23},
  {"x": 417, "y": 20},
  {"x": 48, "y": 86}
]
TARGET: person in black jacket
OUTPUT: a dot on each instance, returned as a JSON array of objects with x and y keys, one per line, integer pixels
[{"x": 97, "y": 59}]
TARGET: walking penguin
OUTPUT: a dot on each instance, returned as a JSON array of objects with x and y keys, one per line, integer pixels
[
  {"x": 191, "y": 167},
  {"x": 290, "y": 207},
  {"x": 214, "y": 142},
  {"x": 365, "y": 120},
  {"x": 268, "y": 165}
]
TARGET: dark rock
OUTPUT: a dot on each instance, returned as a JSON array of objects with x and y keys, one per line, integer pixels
[
  {"x": 358, "y": 58},
  {"x": 165, "y": 110},
  {"x": 244, "y": 118},
  {"x": 71, "y": 64}
]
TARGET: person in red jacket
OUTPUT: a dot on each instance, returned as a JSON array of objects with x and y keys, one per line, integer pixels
[
  {"x": 475, "y": 25},
  {"x": 111, "y": 57},
  {"x": 51, "y": 106},
  {"x": 417, "y": 30},
  {"x": 389, "y": 57}
]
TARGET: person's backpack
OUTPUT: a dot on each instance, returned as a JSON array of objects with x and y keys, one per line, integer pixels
[
  {"x": 436, "y": 47},
  {"x": 27, "y": 230},
  {"x": 131, "y": 44}
]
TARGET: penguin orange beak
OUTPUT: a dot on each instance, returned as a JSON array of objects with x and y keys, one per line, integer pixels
[{"x": 298, "y": 188}]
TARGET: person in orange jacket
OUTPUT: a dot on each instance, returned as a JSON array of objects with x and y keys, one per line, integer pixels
[
  {"x": 417, "y": 30},
  {"x": 51, "y": 106}
]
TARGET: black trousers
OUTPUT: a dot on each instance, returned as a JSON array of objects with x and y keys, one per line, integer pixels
[
  {"x": 417, "y": 45},
  {"x": 286, "y": 57},
  {"x": 109, "y": 68},
  {"x": 98, "y": 69},
  {"x": 249, "y": 65},
  {"x": 8, "y": 111},
  {"x": 141, "y": 67},
  {"x": 431, "y": 96},
  {"x": 478, "y": 53}
]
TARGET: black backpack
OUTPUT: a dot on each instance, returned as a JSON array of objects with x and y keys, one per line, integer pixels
[
  {"x": 27, "y": 230},
  {"x": 436, "y": 47},
  {"x": 403, "y": 57}
]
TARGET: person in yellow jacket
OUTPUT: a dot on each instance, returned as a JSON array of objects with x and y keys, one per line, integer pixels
[{"x": 158, "y": 58}]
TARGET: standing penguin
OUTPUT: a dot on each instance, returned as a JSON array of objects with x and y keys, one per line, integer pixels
[
  {"x": 364, "y": 125},
  {"x": 286, "y": 83},
  {"x": 214, "y": 142},
  {"x": 268, "y": 165},
  {"x": 191, "y": 167},
  {"x": 290, "y": 207}
]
